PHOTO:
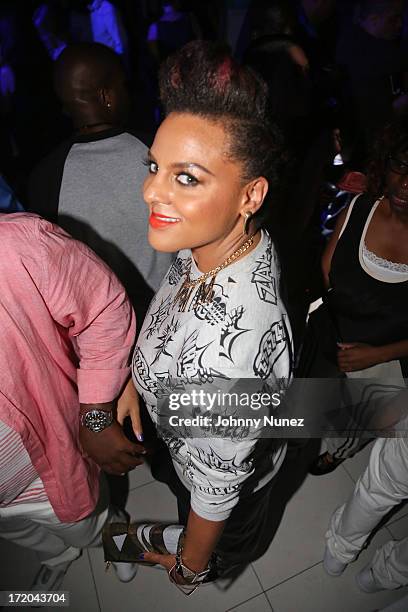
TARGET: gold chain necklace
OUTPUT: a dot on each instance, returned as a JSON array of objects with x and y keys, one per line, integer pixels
[{"x": 205, "y": 292}]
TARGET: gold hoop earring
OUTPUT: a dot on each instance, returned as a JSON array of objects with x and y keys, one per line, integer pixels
[{"x": 247, "y": 221}]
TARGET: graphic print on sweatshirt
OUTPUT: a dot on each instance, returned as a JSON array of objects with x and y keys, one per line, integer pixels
[{"x": 243, "y": 333}]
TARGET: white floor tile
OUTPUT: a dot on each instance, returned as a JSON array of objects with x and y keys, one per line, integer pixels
[
  {"x": 140, "y": 476},
  {"x": 399, "y": 514},
  {"x": 315, "y": 591},
  {"x": 153, "y": 502},
  {"x": 18, "y": 566},
  {"x": 151, "y": 590},
  {"x": 299, "y": 542},
  {"x": 357, "y": 464},
  {"x": 257, "y": 604},
  {"x": 399, "y": 528},
  {"x": 80, "y": 584}
]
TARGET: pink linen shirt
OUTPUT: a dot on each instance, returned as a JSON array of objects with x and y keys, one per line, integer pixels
[{"x": 67, "y": 328}]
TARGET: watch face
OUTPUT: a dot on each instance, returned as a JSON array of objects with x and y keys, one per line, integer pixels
[{"x": 97, "y": 420}]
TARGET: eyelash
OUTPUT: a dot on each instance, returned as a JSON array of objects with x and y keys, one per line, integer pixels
[
  {"x": 191, "y": 180},
  {"x": 148, "y": 163}
]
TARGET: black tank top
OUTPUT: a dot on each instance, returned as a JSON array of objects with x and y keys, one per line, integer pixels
[{"x": 365, "y": 309}]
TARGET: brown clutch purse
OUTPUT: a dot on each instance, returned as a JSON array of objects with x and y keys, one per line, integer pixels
[{"x": 124, "y": 542}]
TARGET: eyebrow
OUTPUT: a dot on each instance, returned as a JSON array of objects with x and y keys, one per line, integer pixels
[{"x": 181, "y": 165}]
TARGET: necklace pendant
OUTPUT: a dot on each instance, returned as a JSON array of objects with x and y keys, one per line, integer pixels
[
  {"x": 183, "y": 295},
  {"x": 206, "y": 292},
  {"x": 185, "y": 298}
]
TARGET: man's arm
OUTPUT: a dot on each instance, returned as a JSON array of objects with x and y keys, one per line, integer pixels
[{"x": 84, "y": 297}]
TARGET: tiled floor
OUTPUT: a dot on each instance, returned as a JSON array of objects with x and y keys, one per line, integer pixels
[{"x": 288, "y": 578}]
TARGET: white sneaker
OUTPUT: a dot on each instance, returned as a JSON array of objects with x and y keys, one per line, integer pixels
[
  {"x": 366, "y": 581},
  {"x": 125, "y": 571},
  {"x": 331, "y": 565},
  {"x": 48, "y": 579}
]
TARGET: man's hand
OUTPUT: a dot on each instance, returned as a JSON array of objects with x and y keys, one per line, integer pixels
[
  {"x": 111, "y": 449},
  {"x": 358, "y": 356}
]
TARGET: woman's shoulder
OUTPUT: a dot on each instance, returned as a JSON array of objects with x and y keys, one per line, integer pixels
[
  {"x": 256, "y": 284},
  {"x": 360, "y": 207},
  {"x": 180, "y": 266}
]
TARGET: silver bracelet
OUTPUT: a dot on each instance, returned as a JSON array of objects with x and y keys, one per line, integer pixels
[{"x": 193, "y": 579}]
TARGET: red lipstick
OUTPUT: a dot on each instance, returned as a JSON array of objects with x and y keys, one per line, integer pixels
[{"x": 160, "y": 221}]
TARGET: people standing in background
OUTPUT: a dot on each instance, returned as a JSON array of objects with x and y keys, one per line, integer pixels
[
  {"x": 171, "y": 31},
  {"x": 8, "y": 201},
  {"x": 107, "y": 26},
  {"x": 316, "y": 28},
  {"x": 365, "y": 269},
  {"x": 9, "y": 149},
  {"x": 88, "y": 21},
  {"x": 210, "y": 17},
  {"x": 92, "y": 183},
  {"x": 375, "y": 65},
  {"x": 48, "y": 19},
  {"x": 263, "y": 19},
  {"x": 99, "y": 21},
  {"x": 295, "y": 220}
]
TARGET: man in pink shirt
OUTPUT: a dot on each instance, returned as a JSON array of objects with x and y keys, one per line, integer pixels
[{"x": 67, "y": 329}]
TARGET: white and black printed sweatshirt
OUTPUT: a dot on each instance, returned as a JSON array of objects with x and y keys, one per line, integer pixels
[{"x": 242, "y": 333}]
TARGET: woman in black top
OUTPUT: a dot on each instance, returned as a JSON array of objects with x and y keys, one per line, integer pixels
[{"x": 366, "y": 266}]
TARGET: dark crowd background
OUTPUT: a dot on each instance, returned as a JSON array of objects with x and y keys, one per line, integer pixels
[
  {"x": 33, "y": 122},
  {"x": 336, "y": 70}
]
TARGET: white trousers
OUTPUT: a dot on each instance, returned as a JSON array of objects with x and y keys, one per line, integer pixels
[
  {"x": 36, "y": 526},
  {"x": 383, "y": 485},
  {"x": 389, "y": 379}
]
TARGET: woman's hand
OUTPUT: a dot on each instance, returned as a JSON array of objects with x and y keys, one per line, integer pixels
[
  {"x": 168, "y": 561},
  {"x": 128, "y": 405},
  {"x": 200, "y": 541},
  {"x": 358, "y": 356}
]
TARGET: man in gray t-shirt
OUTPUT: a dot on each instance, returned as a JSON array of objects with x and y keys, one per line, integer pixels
[{"x": 92, "y": 183}]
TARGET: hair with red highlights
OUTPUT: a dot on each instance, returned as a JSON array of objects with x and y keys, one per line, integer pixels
[
  {"x": 203, "y": 79},
  {"x": 224, "y": 73}
]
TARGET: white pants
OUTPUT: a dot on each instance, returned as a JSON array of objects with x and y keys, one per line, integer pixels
[
  {"x": 383, "y": 485},
  {"x": 57, "y": 544},
  {"x": 388, "y": 374}
]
